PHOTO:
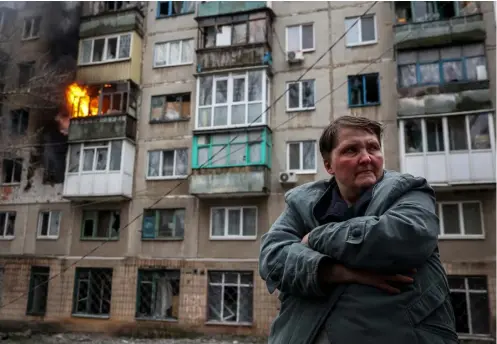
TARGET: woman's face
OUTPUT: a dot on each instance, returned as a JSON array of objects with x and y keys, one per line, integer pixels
[{"x": 356, "y": 162}]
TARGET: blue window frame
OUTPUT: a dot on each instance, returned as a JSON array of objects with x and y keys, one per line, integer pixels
[
  {"x": 442, "y": 66},
  {"x": 249, "y": 148},
  {"x": 174, "y": 8},
  {"x": 364, "y": 90}
]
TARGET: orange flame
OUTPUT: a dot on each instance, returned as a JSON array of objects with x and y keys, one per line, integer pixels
[{"x": 79, "y": 102}]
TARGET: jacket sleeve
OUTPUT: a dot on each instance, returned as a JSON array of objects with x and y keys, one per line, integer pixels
[
  {"x": 285, "y": 263},
  {"x": 402, "y": 238}
]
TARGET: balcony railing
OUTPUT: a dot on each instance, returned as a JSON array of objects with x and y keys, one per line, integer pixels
[
  {"x": 106, "y": 23},
  {"x": 233, "y": 57},
  {"x": 102, "y": 127},
  {"x": 449, "y": 150},
  {"x": 465, "y": 28}
]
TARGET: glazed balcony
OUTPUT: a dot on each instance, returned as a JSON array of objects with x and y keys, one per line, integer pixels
[{"x": 219, "y": 8}]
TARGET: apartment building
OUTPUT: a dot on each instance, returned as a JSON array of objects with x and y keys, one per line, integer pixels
[{"x": 179, "y": 153}]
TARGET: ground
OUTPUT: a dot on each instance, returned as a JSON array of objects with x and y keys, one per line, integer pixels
[{"x": 68, "y": 338}]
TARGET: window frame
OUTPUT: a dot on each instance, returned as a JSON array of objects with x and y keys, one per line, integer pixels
[
  {"x": 468, "y": 292},
  {"x": 22, "y": 121},
  {"x": 40, "y": 236},
  {"x": 168, "y": 51},
  {"x": 301, "y": 157},
  {"x": 300, "y": 26},
  {"x": 177, "y": 95},
  {"x": 77, "y": 280},
  {"x": 157, "y": 214},
  {"x": 106, "y": 43},
  {"x": 359, "y": 25},
  {"x": 460, "y": 214},
  {"x": 301, "y": 98},
  {"x": 31, "y": 35},
  {"x": 15, "y": 162},
  {"x": 226, "y": 236},
  {"x": 230, "y": 77},
  {"x": 241, "y": 290},
  {"x": 3, "y": 231},
  {"x": 170, "y": 15},
  {"x": 38, "y": 270},
  {"x": 139, "y": 297},
  {"x": 84, "y": 146},
  {"x": 96, "y": 213},
  {"x": 161, "y": 162},
  {"x": 364, "y": 90}
]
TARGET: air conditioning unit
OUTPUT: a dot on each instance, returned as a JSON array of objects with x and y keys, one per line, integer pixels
[
  {"x": 294, "y": 56},
  {"x": 288, "y": 178}
]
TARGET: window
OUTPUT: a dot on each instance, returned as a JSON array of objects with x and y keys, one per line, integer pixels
[
  {"x": 11, "y": 171},
  {"x": 234, "y": 99},
  {"x": 464, "y": 132},
  {"x": 113, "y": 5},
  {"x": 229, "y": 150},
  {"x": 19, "y": 120},
  {"x": 26, "y": 72},
  {"x": 244, "y": 32},
  {"x": 301, "y": 157},
  {"x": 174, "y": 8},
  {"x": 97, "y": 157},
  {"x": 168, "y": 164},
  {"x": 158, "y": 294},
  {"x": 105, "y": 49},
  {"x": 364, "y": 90},
  {"x": 469, "y": 297},
  {"x": 163, "y": 224},
  {"x": 31, "y": 28},
  {"x": 168, "y": 108},
  {"x": 364, "y": 32},
  {"x": 93, "y": 291},
  {"x": 7, "y": 224},
  {"x": 442, "y": 65},
  {"x": 421, "y": 11},
  {"x": 230, "y": 297},
  {"x": 173, "y": 53},
  {"x": 301, "y": 95},
  {"x": 234, "y": 223},
  {"x": 38, "y": 290},
  {"x": 49, "y": 224},
  {"x": 460, "y": 219},
  {"x": 300, "y": 38},
  {"x": 101, "y": 224}
]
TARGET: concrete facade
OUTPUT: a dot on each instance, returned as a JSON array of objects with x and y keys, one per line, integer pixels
[{"x": 197, "y": 251}]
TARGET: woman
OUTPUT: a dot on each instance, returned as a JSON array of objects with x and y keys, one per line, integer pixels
[{"x": 355, "y": 259}]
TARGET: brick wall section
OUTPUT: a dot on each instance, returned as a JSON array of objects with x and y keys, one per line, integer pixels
[{"x": 193, "y": 294}]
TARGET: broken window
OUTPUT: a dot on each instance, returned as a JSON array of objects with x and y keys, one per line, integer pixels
[
  {"x": 92, "y": 291},
  {"x": 113, "y": 5},
  {"x": 105, "y": 49},
  {"x": 101, "y": 224},
  {"x": 7, "y": 224},
  {"x": 173, "y": 53},
  {"x": 158, "y": 294},
  {"x": 364, "y": 90},
  {"x": 421, "y": 11},
  {"x": 413, "y": 136},
  {"x": 19, "y": 120},
  {"x": 31, "y": 28},
  {"x": 114, "y": 99},
  {"x": 26, "y": 72},
  {"x": 96, "y": 156},
  {"x": 301, "y": 95},
  {"x": 11, "y": 170},
  {"x": 38, "y": 290},
  {"x": 300, "y": 37},
  {"x": 301, "y": 157},
  {"x": 173, "y": 8},
  {"x": 163, "y": 224},
  {"x": 230, "y": 297},
  {"x": 233, "y": 222},
  {"x": 49, "y": 224},
  {"x": 168, "y": 163},
  {"x": 250, "y": 31},
  {"x": 171, "y": 107}
]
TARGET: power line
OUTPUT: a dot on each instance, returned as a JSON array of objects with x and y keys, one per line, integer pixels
[{"x": 189, "y": 175}]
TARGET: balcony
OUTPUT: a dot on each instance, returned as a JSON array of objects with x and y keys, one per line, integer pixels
[
  {"x": 234, "y": 41},
  {"x": 102, "y": 112},
  {"x": 112, "y": 22},
  {"x": 449, "y": 151},
  {"x": 219, "y": 8},
  {"x": 100, "y": 170},
  {"x": 231, "y": 164}
]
